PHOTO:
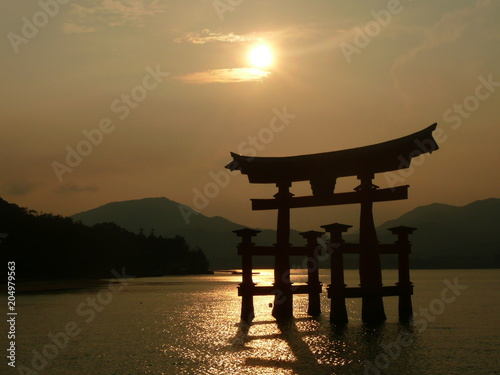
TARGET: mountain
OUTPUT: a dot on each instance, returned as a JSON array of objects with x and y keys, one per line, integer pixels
[
  {"x": 452, "y": 237},
  {"x": 446, "y": 236},
  {"x": 167, "y": 218}
]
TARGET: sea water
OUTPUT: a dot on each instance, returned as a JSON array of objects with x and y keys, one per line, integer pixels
[{"x": 190, "y": 325}]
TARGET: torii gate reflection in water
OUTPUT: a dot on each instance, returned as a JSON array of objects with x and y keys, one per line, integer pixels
[{"x": 322, "y": 170}]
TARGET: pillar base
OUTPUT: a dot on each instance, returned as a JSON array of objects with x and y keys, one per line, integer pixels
[
  {"x": 247, "y": 309},
  {"x": 283, "y": 302},
  {"x": 314, "y": 305},
  {"x": 314, "y": 308},
  {"x": 405, "y": 308},
  {"x": 338, "y": 310},
  {"x": 338, "y": 313},
  {"x": 372, "y": 310}
]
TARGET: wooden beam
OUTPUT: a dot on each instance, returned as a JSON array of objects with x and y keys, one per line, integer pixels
[
  {"x": 346, "y": 248},
  {"x": 271, "y": 250},
  {"x": 269, "y": 290},
  {"x": 352, "y": 292},
  {"x": 379, "y": 195},
  {"x": 394, "y": 248},
  {"x": 357, "y": 292}
]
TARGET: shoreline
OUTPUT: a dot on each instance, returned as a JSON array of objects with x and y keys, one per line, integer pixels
[
  {"x": 49, "y": 286},
  {"x": 61, "y": 285}
]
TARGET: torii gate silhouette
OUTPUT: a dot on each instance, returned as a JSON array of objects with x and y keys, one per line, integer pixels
[{"x": 322, "y": 170}]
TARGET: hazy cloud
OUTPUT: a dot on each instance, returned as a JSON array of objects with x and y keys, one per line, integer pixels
[
  {"x": 71, "y": 28},
  {"x": 448, "y": 29},
  {"x": 73, "y": 188},
  {"x": 19, "y": 187},
  {"x": 109, "y": 13},
  {"x": 225, "y": 76},
  {"x": 207, "y": 36}
]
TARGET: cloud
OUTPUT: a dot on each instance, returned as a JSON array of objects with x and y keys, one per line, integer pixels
[
  {"x": 234, "y": 75},
  {"x": 71, "y": 28},
  {"x": 208, "y": 36},
  {"x": 73, "y": 188},
  {"x": 110, "y": 13},
  {"x": 19, "y": 188}
]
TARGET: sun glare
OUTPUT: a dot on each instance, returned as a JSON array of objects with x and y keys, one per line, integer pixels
[{"x": 261, "y": 56}]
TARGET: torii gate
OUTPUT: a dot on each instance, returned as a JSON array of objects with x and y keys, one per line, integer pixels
[{"x": 322, "y": 170}]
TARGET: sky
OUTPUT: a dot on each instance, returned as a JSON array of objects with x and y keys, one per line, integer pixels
[{"x": 106, "y": 100}]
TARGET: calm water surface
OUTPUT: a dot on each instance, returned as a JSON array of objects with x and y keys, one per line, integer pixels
[{"x": 190, "y": 325}]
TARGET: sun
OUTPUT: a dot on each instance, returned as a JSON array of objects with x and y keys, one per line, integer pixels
[{"x": 261, "y": 56}]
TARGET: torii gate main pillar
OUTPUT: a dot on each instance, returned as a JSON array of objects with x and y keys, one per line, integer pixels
[
  {"x": 370, "y": 270},
  {"x": 283, "y": 297}
]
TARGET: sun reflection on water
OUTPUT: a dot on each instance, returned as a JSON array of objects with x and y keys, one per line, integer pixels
[{"x": 202, "y": 333}]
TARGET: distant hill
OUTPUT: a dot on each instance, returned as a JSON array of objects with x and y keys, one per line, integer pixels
[
  {"x": 447, "y": 236},
  {"x": 452, "y": 237},
  {"x": 163, "y": 216}
]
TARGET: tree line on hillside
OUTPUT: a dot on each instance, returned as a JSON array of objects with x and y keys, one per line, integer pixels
[{"x": 46, "y": 246}]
